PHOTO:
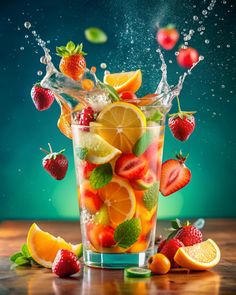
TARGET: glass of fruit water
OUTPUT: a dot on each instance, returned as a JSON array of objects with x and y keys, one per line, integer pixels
[{"x": 118, "y": 163}]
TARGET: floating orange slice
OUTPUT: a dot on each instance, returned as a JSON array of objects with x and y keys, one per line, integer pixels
[
  {"x": 119, "y": 198},
  {"x": 64, "y": 122},
  {"x": 199, "y": 256},
  {"x": 43, "y": 246},
  {"x": 125, "y": 81}
]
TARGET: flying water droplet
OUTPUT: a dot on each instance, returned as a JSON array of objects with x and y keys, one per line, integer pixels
[
  {"x": 103, "y": 65},
  {"x": 207, "y": 41},
  {"x": 27, "y": 25},
  {"x": 22, "y": 48},
  {"x": 195, "y": 18},
  {"x": 39, "y": 73},
  {"x": 43, "y": 60},
  {"x": 204, "y": 12},
  {"x": 26, "y": 36}
]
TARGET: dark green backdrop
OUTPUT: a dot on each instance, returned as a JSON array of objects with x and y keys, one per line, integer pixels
[{"x": 27, "y": 191}]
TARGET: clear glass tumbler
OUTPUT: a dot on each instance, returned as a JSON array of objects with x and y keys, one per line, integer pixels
[{"x": 118, "y": 192}]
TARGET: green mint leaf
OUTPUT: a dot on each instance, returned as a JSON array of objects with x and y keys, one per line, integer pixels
[
  {"x": 95, "y": 35},
  {"x": 112, "y": 92},
  {"x": 142, "y": 143},
  {"x": 82, "y": 152},
  {"x": 22, "y": 261},
  {"x": 25, "y": 251},
  {"x": 150, "y": 196},
  {"x": 156, "y": 116},
  {"x": 15, "y": 256},
  {"x": 101, "y": 176},
  {"x": 127, "y": 233}
]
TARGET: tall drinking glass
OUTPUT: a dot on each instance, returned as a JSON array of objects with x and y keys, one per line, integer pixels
[{"x": 118, "y": 212}]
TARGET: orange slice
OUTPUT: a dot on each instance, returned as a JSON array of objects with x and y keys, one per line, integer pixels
[
  {"x": 199, "y": 256},
  {"x": 121, "y": 124},
  {"x": 119, "y": 198},
  {"x": 43, "y": 246},
  {"x": 125, "y": 81},
  {"x": 64, "y": 121}
]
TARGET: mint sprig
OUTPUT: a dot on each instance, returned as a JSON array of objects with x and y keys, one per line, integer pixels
[
  {"x": 142, "y": 143},
  {"x": 82, "y": 152},
  {"x": 150, "y": 196},
  {"x": 112, "y": 92},
  {"x": 127, "y": 233},
  {"x": 23, "y": 258},
  {"x": 101, "y": 176}
]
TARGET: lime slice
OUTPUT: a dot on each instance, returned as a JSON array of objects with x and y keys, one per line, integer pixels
[
  {"x": 137, "y": 272},
  {"x": 95, "y": 35},
  {"x": 99, "y": 150}
]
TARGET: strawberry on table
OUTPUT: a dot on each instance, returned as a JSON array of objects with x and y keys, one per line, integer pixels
[
  {"x": 56, "y": 164},
  {"x": 42, "y": 97},
  {"x": 174, "y": 175},
  {"x": 187, "y": 57},
  {"x": 167, "y": 37},
  {"x": 181, "y": 124},
  {"x": 170, "y": 248},
  {"x": 72, "y": 62},
  {"x": 65, "y": 264}
]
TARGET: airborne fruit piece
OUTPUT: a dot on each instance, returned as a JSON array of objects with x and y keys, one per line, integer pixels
[
  {"x": 187, "y": 57},
  {"x": 42, "y": 97},
  {"x": 131, "y": 167},
  {"x": 127, "y": 95},
  {"x": 174, "y": 175},
  {"x": 72, "y": 62},
  {"x": 167, "y": 37},
  {"x": 181, "y": 124}
]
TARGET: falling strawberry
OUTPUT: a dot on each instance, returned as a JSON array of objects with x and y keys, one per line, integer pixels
[
  {"x": 167, "y": 37},
  {"x": 187, "y": 57},
  {"x": 65, "y": 264},
  {"x": 181, "y": 124},
  {"x": 72, "y": 63},
  {"x": 56, "y": 164},
  {"x": 174, "y": 175},
  {"x": 42, "y": 97}
]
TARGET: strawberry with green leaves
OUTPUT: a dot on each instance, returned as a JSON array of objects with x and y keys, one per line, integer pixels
[
  {"x": 182, "y": 124},
  {"x": 72, "y": 62}
]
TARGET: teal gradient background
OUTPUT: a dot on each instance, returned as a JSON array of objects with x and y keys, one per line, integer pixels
[{"x": 27, "y": 191}]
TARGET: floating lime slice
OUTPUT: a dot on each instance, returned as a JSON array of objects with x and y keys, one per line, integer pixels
[
  {"x": 95, "y": 35},
  {"x": 137, "y": 272}
]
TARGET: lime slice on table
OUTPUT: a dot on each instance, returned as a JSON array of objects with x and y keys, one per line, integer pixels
[
  {"x": 137, "y": 272},
  {"x": 99, "y": 151}
]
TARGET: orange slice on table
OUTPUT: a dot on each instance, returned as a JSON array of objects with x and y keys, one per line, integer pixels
[
  {"x": 119, "y": 198},
  {"x": 43, "y": 246},
  {"x": 199, "y": 256},
  {"x": 121, "y": 124},
  {"x": 125, "y": 81}
]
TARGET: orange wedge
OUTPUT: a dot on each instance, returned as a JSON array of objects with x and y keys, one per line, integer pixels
[
  {"x": 64, "y": 122},
  {"x": 43, "y": 246},
  {"x": 119, "y": 198},
  {"x": 125, "y": 81},
  {"x": 200, "y": 256}
]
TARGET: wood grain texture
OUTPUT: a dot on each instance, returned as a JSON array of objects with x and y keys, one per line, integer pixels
[{"x": 220, "y": 280}]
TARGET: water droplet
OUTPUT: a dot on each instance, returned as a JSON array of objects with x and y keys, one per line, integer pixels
[
  {"x": 39, "y": 73},
  {"x": 26, "y": 36},
  {"x": 170, "y": 61},
  {"x": 106, "y": 73},
  {"x": 9, "y": 19},
  {"x": 201, "y": 57},
  {"x": 218, "y": 46},
  {"x": 27, "y": 25},
  {"x": 195, "y": 17},
  {"x": 204, "y": 12},
  {"x": 222, "y": 86},
  {"x": 207, "y": 41},
  {"x": 18, "y": 28},
  {"x": 43, "y": 60},
  {"x": 34, "y": 33},
  {"x": 22, "y": 48},
  {"x": 228, "y": 46},
  {"x": 103, "y": 65},
  {"x": 176, "y": 53}
]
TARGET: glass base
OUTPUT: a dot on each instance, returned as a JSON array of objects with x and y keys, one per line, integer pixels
[{"x": 116, "y": 261}]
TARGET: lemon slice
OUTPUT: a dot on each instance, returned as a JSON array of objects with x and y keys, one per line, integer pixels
[
  {"x": 99, "y": 150},
  {"x": 43, "y": 246},
  {"x": 121, "y": 124},
  {"x": 125, "y": 81},
  {"x": 199, "y": 256},
  {"x": 119, "y": 199}
]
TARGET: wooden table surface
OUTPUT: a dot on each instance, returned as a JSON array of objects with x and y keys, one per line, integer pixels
[{"x": 220, "y": 280}]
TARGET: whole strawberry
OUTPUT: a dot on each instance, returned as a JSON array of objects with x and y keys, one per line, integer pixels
[
  {"x": 65, "y": 263},
  {"x": 42, "y": 97},
  {"x": 72, "y": 62},
  {"x": 182, "y": 124},
  {"x": 174, "y": 175},
  {"x": 170, "y": 248},
  {"x": 56, "y": 164},
  {"x": 188, "y": 234}
]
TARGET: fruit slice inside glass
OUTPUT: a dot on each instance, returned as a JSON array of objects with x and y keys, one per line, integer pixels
[{"x": 118, "y": 174}]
